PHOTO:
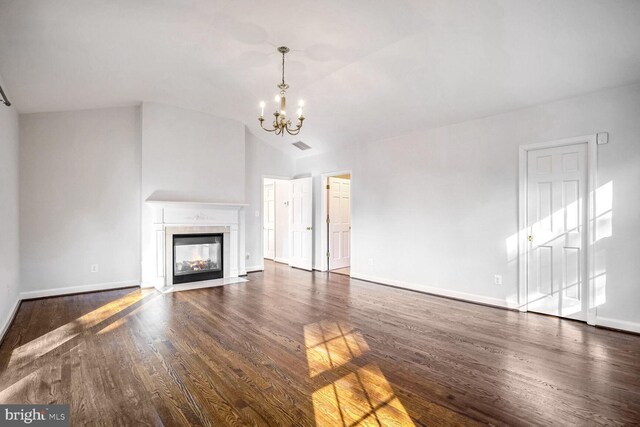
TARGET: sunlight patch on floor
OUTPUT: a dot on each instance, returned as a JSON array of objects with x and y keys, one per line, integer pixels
[
  {"x": 330, "y": 345},
  {"x": 7, "y": 394},
  {"x": 361, "y": 397},
  {"x": 57, "y": 337}
]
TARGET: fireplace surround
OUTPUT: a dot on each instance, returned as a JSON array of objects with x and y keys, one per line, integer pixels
[{"x": 163, "y": 219}]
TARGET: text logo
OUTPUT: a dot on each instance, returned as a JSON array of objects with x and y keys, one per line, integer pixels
[{"x": 34, "y": 415}]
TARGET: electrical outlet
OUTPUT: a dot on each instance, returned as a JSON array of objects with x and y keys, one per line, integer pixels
[
  {"x": 94, "y": 268},
  {"x": 257, "y": 214},
  {"x": 370, "y": 261},
  {"x": 247, "y": 256},
  {"x": 497, "y": 279}
]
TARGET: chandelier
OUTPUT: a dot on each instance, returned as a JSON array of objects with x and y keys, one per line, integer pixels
[{"x": 281, "y": 123}]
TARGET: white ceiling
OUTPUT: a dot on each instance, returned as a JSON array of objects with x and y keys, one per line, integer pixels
[{"x": 366, "y": 69}]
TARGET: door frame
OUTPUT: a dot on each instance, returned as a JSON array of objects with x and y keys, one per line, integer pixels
[
  {"x": 262, "y": 179},
  {"x": 324, "y": 229},
  {"x": 523, "y": 244}
]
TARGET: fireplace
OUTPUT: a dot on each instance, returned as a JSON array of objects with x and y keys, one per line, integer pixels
[{"x": 197, "y": 257}]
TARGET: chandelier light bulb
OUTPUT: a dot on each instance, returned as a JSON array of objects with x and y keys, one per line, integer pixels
[
  {"x": 299, "y": 112},
  {"x": 262, "y": 104},
  {"x": 301, "y": 103},
  {"x": 277, "y": 99}
]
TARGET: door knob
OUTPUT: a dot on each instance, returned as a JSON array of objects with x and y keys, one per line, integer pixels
[
  {"x": 530, "y": 238},
  {"x": 308, "y": 228}
]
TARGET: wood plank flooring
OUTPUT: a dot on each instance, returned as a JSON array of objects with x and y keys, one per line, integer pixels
[{"x": 296, "y": 348}]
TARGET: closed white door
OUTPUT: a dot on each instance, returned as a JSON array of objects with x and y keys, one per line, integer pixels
[
  {"x": 300, "y": 223},
  {"x": 339, "y": 223},
  {"x": 556, "y": 218},
  {"x": 269, "y": 218}
]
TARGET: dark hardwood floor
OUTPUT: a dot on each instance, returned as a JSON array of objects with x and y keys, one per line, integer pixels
[{"x": 295, "y": 348}]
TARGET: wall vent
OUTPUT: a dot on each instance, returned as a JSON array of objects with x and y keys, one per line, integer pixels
[{"x": 301, "y": 145}]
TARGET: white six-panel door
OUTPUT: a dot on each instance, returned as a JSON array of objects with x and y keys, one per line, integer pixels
[
  {"x": 300, "y": 223},
  {"x": 269, "y": 220},
  {"x": 339, "y": 223},
  {"x": 556, "y": 212}
]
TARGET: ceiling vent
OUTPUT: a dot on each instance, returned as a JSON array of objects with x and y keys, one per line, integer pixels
[{"x": 301, "y": 145}]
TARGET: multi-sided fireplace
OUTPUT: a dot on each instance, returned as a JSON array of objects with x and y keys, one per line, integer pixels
[{"x": 197, "y": 257}]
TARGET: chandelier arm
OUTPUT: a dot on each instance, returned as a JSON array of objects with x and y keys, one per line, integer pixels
[
  {"x": 268, "y": 130},
  {"x": 297, "y": 128},
  {"x": 294, "y": 131}
]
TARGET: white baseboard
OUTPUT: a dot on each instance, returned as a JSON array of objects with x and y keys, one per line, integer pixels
[
  {"x": 623, "y": 325},
  {"x": 496, "y": 302},
  {"x": 77, "y": 289},
  {"x": 6, "y": 322},
  {"x": 255, "y": 268},
  {"x": 146, "y": 285}
]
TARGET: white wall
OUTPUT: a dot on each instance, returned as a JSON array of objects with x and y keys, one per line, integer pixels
[
  {"x": 187, "y": 156},
  {"x": 433, "y": 210},
  {"x": 261, "y": 160},
  {"x": 79, "y": 200},
  {"x": 9, "y": 242},
  {"x": 282, "y": 220}
]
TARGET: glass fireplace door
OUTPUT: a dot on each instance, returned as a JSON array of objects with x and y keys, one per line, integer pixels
[{"x": 197, "y": 257}]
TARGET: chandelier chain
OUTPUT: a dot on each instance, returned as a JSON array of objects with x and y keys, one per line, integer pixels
[{"x": 283, "y": 68}]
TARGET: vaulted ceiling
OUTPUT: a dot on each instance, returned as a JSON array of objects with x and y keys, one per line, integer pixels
[{"x": 367, "y": 69}]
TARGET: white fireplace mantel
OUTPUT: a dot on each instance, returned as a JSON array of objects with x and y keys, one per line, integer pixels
[
  {"x": 162, "y": 217},
  {"x": 192, "y": 203}
]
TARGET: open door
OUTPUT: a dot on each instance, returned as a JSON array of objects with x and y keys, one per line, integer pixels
[
  {"x": 300, "y": 223},
  {"x": 339, "y": 223}
]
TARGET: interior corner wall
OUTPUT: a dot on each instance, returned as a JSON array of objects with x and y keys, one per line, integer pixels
[
  {"x": 9, "y": 219},
  {"x": 435, "y": 210},
  {"x": 261, "y": 160},
  {"x": 79, "y": 200}
]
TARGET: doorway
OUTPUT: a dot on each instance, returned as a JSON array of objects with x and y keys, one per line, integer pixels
[
  {"x": 275, "y": 216},
  {"x": 338, "y": 222},
  {"x": 557, "y": 179}
]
